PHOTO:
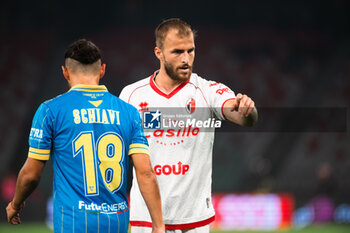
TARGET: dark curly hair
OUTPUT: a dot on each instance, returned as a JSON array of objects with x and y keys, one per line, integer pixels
[{"x": 83, "y": 51}]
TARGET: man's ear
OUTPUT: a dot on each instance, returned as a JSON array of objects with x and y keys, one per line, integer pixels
[
  {"x": 65, "y": 73},
  {"x": 102, "y": 70},
  {"x": 159, "y": 53}
]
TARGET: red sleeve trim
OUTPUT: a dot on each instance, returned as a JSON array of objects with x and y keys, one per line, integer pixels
[
  {"x": 175, "y": 226},
  {"x": 172, "y": 93},
  {"x": 222, "y": 107}
]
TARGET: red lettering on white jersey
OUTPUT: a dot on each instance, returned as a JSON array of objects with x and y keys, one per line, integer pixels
[
  {"x": 179, "y": 169},
  {"x": 222, "y": 90},
  {"x": 181, "y": 132}
]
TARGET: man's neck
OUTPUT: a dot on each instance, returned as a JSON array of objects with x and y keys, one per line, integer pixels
[
  {"x": 83, "y": 81},
  {"x": 165, "y": 83}
]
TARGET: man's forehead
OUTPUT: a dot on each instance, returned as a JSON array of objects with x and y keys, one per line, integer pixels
[
  {"x": 173, "y": 32},
  {"x": 174, "y": 38}
]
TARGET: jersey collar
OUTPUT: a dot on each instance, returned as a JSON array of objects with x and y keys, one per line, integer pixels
[
  {"x": 89, "y": 88},
  {"x": 160, "y": 92}
]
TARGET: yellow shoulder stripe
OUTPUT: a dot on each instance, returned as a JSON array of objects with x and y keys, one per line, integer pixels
[
  {"x": 136, "y": 148},
  {"x": 40, "y": 151},
  {"x": 40, "y": 154}
]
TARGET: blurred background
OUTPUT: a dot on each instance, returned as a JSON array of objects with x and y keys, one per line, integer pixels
[{"x": 281, "y": 53}]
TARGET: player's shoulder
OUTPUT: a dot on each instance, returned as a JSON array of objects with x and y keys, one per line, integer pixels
[
  {"x": 49, "y": 105},
  {"x": 139, "y": 84},
  {"x": 202, "y": 82},
  {"x": 198, "y": 80},
  {"x": 57, "y": 100},
  {"x": 135, "y": 88}
]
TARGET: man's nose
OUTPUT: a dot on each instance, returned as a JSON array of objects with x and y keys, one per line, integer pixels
[{"x": 185, "y": 58}]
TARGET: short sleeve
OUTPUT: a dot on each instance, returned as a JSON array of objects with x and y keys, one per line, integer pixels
[
  {"x": 40, "y": 138},
  {"x": 139, "y": 143},
  {"x": 217, "y": 94}
]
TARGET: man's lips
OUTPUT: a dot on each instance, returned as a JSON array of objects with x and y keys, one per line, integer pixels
[{"x": 185, "y": 68}]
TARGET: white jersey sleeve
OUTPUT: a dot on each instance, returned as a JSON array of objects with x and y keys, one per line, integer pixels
[{"x": 216, "y": 95}]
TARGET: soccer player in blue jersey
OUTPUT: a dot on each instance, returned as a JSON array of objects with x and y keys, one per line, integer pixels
[{"x": 89, "y": 135}]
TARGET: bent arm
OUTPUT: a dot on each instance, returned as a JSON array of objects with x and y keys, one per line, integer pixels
[
  {"x": 27, "y": 181},
  {"x": 147, "y": 181}
]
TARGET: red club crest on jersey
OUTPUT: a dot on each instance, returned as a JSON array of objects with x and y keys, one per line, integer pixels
[
  {"x": 190, "y": 105},
  {"x": 143, "y": 106}
]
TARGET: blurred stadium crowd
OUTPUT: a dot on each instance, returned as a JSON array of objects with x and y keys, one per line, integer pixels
[{"x": 292, "y": 65}]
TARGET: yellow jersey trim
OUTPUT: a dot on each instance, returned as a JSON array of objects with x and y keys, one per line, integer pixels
[
  {"x": 40, "y": 154},
  {"x": 89, "y": 88},
  {"x": 137, "y": 148},
  {"x": 138, "y": 145},
  {"x": 40, "y": 151}
]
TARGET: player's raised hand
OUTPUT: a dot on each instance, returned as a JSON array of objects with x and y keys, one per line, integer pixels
[
  {"x": 241, "y": 110},
  {"x": 13, "y": 213},
  {"x": 243, "y": 104}
]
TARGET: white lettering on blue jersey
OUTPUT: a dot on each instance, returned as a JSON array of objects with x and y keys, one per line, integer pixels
[
  {"x": 36, "y": 133},
  {"x": 96, "y": 115}
]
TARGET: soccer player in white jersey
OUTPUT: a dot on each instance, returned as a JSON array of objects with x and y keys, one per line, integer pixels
[
  {"x": 89, "y": 135},
  {"x": 182, "y": 157}
]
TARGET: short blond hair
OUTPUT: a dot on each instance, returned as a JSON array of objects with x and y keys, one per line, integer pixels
[{"x": 163, "y": 28}]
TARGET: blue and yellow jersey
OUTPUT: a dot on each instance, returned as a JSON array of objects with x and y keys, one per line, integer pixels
[{"x": 88, "y": 133}]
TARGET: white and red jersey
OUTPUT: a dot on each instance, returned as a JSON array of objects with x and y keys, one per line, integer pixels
[{"x": 182, "y": 160}]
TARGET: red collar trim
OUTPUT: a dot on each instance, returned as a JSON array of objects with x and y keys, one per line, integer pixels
[{"x": 169, "y": 95}]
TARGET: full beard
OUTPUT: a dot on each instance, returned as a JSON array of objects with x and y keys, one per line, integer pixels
[{"x": 174, "y": 73}]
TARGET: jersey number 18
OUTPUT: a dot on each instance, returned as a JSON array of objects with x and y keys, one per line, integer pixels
[{"x": 107, "y": 154}]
